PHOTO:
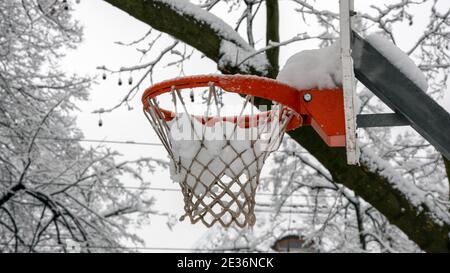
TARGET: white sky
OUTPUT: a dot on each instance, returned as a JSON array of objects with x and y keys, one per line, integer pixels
[{"x": 105, "y": 25}]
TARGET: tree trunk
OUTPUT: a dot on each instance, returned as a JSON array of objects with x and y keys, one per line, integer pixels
[{"x": 272, "y": 35}]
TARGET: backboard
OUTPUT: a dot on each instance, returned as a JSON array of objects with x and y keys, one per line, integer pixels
[{"x": 348, "y": 80}]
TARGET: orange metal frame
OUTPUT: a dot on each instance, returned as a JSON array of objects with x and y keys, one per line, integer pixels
[{"x": 324, "y": 112}]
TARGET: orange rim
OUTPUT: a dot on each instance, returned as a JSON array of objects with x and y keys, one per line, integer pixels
[{"x": 256, "y": 86}]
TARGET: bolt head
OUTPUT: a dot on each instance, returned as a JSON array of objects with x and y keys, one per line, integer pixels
[{"x": 307, "y": 97}]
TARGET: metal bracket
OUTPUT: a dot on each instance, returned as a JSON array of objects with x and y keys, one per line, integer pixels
[{"x": 381, "y": 120}]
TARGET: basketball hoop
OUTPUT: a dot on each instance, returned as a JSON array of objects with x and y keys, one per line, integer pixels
[{"x": 218, "y": 159}]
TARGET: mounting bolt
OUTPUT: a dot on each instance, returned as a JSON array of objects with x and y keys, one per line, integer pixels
[{"x": 307, "y": 97}]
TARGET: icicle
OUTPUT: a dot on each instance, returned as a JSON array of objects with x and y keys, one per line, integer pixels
[
  {"x": 191, "y": 95},
  {"x": 100, "y": 121}
]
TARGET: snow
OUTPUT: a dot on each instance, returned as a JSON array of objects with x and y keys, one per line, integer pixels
[
  {"x": 233, "y": 49},
  {"x": 399, "y": 59},
  {"x": 314, "y": 69},
  {"x": 418, "y": 197},
  {"x": 244, "y": 154},
  {"x": 321, "y": 68}
]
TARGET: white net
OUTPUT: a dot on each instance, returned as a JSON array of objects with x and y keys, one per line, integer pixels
[{"x": 216, "y": 160}]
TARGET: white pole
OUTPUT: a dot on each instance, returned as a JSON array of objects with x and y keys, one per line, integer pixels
[{"x": 348, "y": 77}]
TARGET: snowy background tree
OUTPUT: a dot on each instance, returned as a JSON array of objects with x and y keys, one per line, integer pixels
[{"x": 54, "y": 194}]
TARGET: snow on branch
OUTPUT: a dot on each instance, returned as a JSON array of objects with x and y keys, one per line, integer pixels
[
  {"x": 234, "y": 49},
  {"x": 438, "y": 209}
]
